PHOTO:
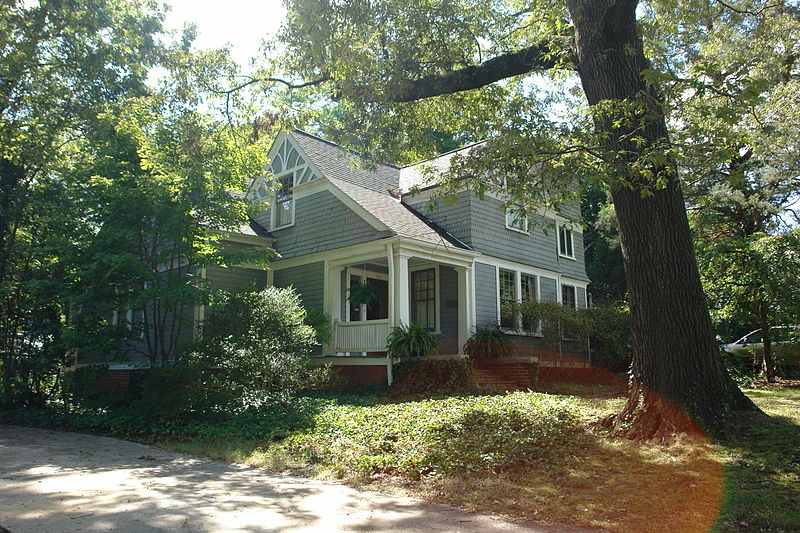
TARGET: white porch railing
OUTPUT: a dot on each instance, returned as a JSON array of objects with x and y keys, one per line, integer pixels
[{"x": 362, "y": 336}]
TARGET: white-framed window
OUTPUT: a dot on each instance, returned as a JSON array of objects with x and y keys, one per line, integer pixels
[
  {"x": 290, "y": 170},
  {"x": 515, "y": 288},
  {"x": 529, "y": 285},
  {"x": 423, "y": 298},
  {"x": 516, "y": 221},
  {"x": 507, "y": 283},
  {"x": 569, "y": 298},
  {"x": 283, "y": 210},
  {"x": 566, "y": 244}
]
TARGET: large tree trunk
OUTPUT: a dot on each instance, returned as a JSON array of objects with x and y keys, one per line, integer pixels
[{"x": 678, "y": 379}]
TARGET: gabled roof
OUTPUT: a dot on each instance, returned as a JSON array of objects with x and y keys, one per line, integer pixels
[
  {"x": 414, "y": 175},
  {"x": 335, "y": 162},
  {"x": 372, "y": 189}
]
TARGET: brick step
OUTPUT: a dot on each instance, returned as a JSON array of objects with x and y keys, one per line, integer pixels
[{"x": 502, "y": 379}]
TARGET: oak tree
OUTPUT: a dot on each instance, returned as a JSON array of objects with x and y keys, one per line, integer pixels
[{"x": 399, "y": 70}]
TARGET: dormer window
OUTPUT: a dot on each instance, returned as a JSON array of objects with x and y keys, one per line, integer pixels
[
  {"x": 284, "y": 203},
  {"x": 290, "y": 169}
]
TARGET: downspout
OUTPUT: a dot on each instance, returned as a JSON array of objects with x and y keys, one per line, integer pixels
[{"x": 392, "y": 281}]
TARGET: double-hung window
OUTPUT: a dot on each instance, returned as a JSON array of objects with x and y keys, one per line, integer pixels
[
  {"x": 528, "y": 294},
  {"x": 515, "y": 290},
  {"x": 423, "y": 298},
  {"x": 569, "y": 299},
  {"x": 566, "y": 246},
  {"x": 284, "y": 202},
  {"x": 508, "y": 299}
]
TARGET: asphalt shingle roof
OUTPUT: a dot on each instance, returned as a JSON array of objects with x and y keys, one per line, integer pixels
[{"x": 371, "y": 189}]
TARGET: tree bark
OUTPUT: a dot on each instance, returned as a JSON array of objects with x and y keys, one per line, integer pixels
[
  {"x": 678, "y": 380},
  {"x": 766, "y": 339}
]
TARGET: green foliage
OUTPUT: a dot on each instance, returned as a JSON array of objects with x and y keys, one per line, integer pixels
[
  {"x": 607, "y": 326},
  {"x": 489, "y": 341},
  {"x": 320, "y": 322},
  {"x": 62, "y": 64},
  {"x": 155, "y": 183},
  {"x": 751, "y": 279},
  {"x": 256, "y": 341},
  {"x": 264, "y": 417},
  {"x": 411, "y": 340},
  {"x": 455, "y": 435},
  {"x": 362, "y": 293},
  {"x": 431, "y": 377}
]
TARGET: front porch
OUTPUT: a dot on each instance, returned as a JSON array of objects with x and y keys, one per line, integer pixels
[{"x": 409, "y": 284}]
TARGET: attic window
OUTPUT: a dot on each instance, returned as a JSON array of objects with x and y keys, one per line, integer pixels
[
  {"x": 516, "y": 220},
  {"x": 284, "y": 203}
]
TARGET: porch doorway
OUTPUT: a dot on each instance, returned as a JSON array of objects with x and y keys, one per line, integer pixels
[{"x": 378, "y": 308}]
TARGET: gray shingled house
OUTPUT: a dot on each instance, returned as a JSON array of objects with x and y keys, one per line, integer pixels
[{"x": 449, "y": 268}]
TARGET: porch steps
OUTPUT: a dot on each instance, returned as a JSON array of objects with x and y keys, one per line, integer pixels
[{"x": 502, "y": 375}]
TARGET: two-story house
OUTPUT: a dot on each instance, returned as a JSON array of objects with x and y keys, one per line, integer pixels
[{"x": 450, "y": 268}]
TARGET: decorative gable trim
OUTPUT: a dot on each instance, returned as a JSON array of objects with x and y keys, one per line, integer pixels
[{"x": 282, "y": 149}]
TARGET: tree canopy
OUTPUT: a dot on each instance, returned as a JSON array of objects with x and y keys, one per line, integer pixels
[{"x": 664, "y": 89}]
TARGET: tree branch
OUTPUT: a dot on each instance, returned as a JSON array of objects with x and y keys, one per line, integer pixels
[{"x": 540, "y": 56}]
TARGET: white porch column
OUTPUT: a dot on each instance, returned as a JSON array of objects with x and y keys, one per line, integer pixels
[
  {"x": 335, "y": 288},
  {"x": 333, "y": 299},
  {"x": 402, "y": 313},
  {"x": 464, "y": 306}
]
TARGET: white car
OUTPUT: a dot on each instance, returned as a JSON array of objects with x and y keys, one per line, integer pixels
[{"x": 785, "y": 341}]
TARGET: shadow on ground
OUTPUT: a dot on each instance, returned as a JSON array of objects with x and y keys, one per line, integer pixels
[{"x": 55, "y": 481}]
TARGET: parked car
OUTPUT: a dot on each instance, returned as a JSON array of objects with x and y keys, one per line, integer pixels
[{"x": 785, "y": 343}]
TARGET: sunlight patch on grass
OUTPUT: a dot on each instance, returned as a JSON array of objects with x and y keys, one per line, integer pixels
[{"x": 748, "y": 483}]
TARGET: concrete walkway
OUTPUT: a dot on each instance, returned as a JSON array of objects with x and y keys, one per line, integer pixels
[{"x": 54, "y": 481}]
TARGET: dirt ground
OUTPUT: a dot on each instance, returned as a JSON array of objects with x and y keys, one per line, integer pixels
[{"x": 53, "y": 481}]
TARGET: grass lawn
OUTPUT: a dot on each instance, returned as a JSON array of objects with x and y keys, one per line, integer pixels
[{"x": 751, "y": 482}]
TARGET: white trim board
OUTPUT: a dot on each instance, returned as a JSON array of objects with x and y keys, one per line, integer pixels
[{"x": 528, "y": 269}]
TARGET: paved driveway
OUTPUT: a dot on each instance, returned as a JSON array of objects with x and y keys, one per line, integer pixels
[{"x": 55, "y": 481}]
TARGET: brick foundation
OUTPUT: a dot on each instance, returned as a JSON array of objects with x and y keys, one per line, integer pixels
[
  {"x": 114, "y": 381},
  {"x": 354, "y": 375}
]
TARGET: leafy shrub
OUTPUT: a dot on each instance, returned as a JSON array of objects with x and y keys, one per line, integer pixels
[
  {"x": 608, "y": 328},
  {"x": 265, "y": 416},
  {"x": 489, "y": 341},
  {"x": 412, "y": 340},
  {"x": 610, "y": 336},
  {"x": 432, "y": 376},
  {"x": 320, "y": 322},
  {"x": 80, "y": 387},
  {"x": 257, "y": 340},
  {"x": 454, "y": 435}
]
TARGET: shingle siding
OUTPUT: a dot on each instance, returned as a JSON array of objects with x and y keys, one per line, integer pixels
[
  {"x": 453, "y": 216},
  {"x": 322, "y": 222},
  {"x": 485, "y": 294},
  {"x": 538, "y": 248},
  {"x": 231, "y": 278},
  {"x": 309, "y": 282},
  {"x": 481, "y": 224}
]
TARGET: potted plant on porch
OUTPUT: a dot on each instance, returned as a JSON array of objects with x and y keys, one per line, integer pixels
[
  {"x": 412, "y": 340},
  {"x": 489, "y": 342},
  {"x": 362, "y": 293}
]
